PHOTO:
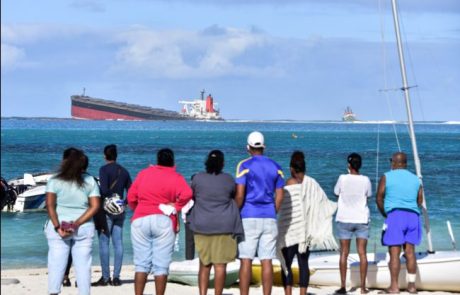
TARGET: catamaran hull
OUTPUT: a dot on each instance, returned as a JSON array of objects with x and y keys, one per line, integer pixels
[{"x": 437, "y": 272}]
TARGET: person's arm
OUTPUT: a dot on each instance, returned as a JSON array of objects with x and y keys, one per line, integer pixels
[
  {"x": 94, "y": 203},
  {"x": 129, "y": 181},
  {"x": 183, "y": 193},
  {"x": 420, "y": 196},
  {"x": 104, "y": 182},
  {"x": 369, "y": 188},
  {"x": 239, "y": 195},
  {"x": 381, "y": 196},
  {"x": 51, "y": 208},
  {"x": 337, "y": 186},
  {"x": 279, "y": 195},
  {"x": 133, "y": 193}
]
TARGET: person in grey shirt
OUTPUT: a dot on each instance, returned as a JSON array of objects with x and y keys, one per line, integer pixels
[{"x": 215, "y": 221}]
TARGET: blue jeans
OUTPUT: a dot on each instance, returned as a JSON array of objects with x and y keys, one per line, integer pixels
[
  {"x": 115, "y": 226},
  {"x": 153, "y": 238},
  {"x": 81, "y": 245}
]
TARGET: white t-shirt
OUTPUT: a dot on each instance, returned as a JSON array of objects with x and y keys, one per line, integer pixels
[{"x": 353, "y": 191}]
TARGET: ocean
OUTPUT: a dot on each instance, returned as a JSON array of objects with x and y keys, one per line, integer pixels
[{"x": 36, "y": 145}]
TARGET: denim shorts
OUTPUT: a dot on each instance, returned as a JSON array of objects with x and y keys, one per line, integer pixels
[
  {"x": 346, "y": 230},
  {"x": 259, "y": 238},
  {"x": 153, "y": 238}
]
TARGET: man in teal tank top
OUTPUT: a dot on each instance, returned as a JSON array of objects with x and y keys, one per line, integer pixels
[{"x": 399, "y": 197}]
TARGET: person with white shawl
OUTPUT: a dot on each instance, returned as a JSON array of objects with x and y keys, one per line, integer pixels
[{"x": 304, "y": 223}]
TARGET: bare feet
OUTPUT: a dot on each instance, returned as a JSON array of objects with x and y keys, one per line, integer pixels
[
  {"x": 364, "y": 290},
  {"x": 411, "y": 288},
  {"x": 389, "y": 291}
]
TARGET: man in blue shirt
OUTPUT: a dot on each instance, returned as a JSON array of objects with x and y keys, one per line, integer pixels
[
  {"x": 114, "y": 179},
  {"x": 399, "y": 197},
  {"x": 259, "y": 193}
]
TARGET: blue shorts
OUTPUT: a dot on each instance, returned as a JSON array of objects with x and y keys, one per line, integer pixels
[
  {"x": 402, "y": 227},
  {"x": 259, "y": 237},
  {"x": 345, "y": 230}
]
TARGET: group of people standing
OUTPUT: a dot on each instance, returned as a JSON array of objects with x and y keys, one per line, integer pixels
[{"x": 256, "y": 214}]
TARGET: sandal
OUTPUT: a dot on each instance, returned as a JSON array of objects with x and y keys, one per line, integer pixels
[{"x": 66, "y": 282}]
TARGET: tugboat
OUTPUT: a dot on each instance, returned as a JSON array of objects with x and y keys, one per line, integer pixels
[{"x": 348, "y": 115}]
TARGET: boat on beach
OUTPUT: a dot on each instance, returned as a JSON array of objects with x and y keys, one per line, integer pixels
[
  {"x": 27, "y": 193},
  {"x": 435, "y": 271},
  {"x": 256, "y": 277},
  {"x": 186, "y": 272}
]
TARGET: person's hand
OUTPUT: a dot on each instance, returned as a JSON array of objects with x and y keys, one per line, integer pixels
[{"x": 63, "y": 233}]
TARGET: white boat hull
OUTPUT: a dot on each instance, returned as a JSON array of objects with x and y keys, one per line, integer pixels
[
  {"x": 32, "y": 199},
  {"x": 31, "y": 191},
  {"x": 186, "y": 272},
  {"x": 437, "y": 272}
]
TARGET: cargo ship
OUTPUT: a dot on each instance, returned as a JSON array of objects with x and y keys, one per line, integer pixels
[
  {"x": 89, "y": 108},
  {"x": 201, "y": 109}
]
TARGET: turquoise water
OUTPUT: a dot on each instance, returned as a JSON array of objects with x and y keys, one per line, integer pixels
[{"x": 36, "y": 145}]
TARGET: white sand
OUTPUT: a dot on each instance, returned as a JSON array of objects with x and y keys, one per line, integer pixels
[{"x": 34, "y": 281}]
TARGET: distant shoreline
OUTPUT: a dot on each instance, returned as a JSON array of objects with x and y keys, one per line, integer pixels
[{"x": 449, "y": 122}]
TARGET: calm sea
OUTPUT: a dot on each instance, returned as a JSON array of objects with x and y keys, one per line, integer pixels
[{"x": 36, "y": 145}]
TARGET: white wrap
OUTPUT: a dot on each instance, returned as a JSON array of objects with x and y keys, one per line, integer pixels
[{"x": 305, "y": 218}]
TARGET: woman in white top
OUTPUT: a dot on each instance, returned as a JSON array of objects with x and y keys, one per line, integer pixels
[{"x": 352, "y": 218}]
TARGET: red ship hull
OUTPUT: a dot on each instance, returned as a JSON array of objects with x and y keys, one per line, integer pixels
[{"x": 88, "y": 114}]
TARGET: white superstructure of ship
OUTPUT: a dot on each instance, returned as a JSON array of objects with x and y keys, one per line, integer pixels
[{"x": 201, "y": 109}]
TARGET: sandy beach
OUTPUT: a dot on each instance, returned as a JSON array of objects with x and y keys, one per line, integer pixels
[{"x": 34, "y": 281}]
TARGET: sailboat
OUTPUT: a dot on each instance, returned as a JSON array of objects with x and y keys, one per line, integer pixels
[{"x": 436, "y": 270}]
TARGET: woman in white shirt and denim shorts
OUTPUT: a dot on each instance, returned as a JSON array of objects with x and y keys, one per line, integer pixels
[{"x": 352, "y": 217}]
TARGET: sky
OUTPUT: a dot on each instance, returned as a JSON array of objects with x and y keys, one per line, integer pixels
[{"x": 260, "y": 59}]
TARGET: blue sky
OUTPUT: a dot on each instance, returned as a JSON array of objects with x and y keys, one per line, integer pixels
[{"x": 260, "y": 59}]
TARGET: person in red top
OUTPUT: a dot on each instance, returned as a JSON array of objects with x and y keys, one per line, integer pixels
[{"x": 156, "y": 196}]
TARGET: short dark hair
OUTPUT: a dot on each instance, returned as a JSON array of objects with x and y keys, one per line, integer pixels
[
  {"x": 298, "y": 162},
  {"x": 69, "y": 151},
  {"x": 355, "y": 161},
  {"x": 110, "y": 152},
  {"x": 165, "y": 157},
  {"x": 215, "y": 162}
]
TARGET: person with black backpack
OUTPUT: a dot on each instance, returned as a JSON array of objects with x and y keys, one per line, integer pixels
[{"x": 114, "y": 180}]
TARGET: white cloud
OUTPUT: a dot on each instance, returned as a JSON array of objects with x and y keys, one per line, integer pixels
[
  {"x": 11, "y": 56},
  {"x": 187, "y": 54}
]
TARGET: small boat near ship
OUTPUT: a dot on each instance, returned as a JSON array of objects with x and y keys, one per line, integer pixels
[
  {"x": 26, "y": 193},
  {"x": 348, "y": 115},
  {"x": 88, "y": 108}
]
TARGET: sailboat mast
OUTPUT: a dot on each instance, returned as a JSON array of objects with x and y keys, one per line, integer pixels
[{"x": 405, "y": 89}]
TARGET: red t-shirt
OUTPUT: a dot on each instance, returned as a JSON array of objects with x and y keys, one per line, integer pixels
[{"x": 157, "y": 185}]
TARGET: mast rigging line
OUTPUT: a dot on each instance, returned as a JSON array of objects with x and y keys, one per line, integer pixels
[{"x": 385, "y": 75}]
